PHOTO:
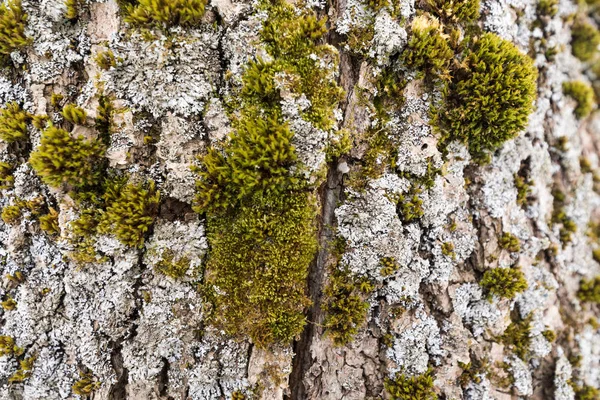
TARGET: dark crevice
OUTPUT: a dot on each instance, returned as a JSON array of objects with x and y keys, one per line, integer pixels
[
  {"x": 163, "y": 378},
  {"x": 118, "y": 390}
]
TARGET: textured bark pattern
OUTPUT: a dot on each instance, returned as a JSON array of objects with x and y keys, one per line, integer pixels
[{"x": 142, "y": 335}]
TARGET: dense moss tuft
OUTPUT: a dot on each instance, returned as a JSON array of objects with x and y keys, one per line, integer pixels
[
  {"x": 61, "y": 159},
  {"x": 259, "y": 263},
  {"x": 585, "y": 40},
  {"x": 12, "y": 27},
  {"x": 404, "y": 387},
  {"x": 13, "y": 123},
  {"x": 503, "y": 282},
  {"x": 509, "y": 242},
  {"x": 517, "y": 337},
  {"x": 165, "y": 13},
  {"x": 132, "y": 213},
  {"x": 589, "y": 290},
  {"x": 490, "y": 96},
  {"x": 583, "y": 94},
  {"x": 454, "y": 11},
  {"x": 74, "y": 114},
  {"x": 345, "y": 310},
  {"x": 428, "y": 49}
]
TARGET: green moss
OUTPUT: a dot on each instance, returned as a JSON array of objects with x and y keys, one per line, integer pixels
[
  {"x": 72, "y": 12},
  {"x": 12, "y": 27},
  {"x": 340, "y": 145},
  {"x": 418, "y": 387},
  {"x": 503, "y": 282},
  {"x": 85, "y": 385},
  {"x": 410, "y": 205},
  {"x": 56, "y": 99},
  {"x": 517, "y": 337},
  {"x": 583, "y": 94},
  {"x": 427, "y": 49},
  {"x": 448, "y": 249},
  {"x": 238, "y": 396},
  {"x": 11, "y": 214},
  {"x": 509, "y": 242},
  {"x": 131, "y": 214},
  {"x": 9, "y": 304},
  {"x": 6, "y": 178},
  {"x": 8, "y": 347},
  {"x": 585, "y": 39},
  {"x": 523, "y": 186},
  {"x": 104, "y": 118},
  {"x": 24, "y": 371},
  {"x": 596, "y": 255},
  {"x": 389, "y": 266},
  {"x": 13, "y": 123},
  {"x": 559, "y": 216},
  {"x": 454, "y": 11},
  {"x": 345, "y": 310},
  {"x": 61, "y": 159},
  {"x": 259, "y": 260},
  {"x": 172, "y": 268},
  {"x": 490, "y": 96},
  {"x": 550, "y": 335},
  {"x": 589, "y": 290},
  {"x": 74, "y": 114},
  {"x": 49, "y": 222},
  {"x": 547, "y": 8},
  {"x": 586, "y": 392},
  {"x": 164, "y": 13},
  {"x": 106, "y": 59}
]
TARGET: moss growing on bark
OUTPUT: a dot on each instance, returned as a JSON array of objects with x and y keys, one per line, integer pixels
[
  {"x": 585, "y": 40},
  {"x": 49, "y": 222},
  {"x": 589, "y": 290},
  {"x": 172, "y": 267},
  {"x": 490, "y": 96},
  {"x": 517, "y": 337},
  {"x": 164, "y": 13},
  {"x": 74, "y": 114},
  {"x": 11, "y": 214},
  {"x": 13, "y": 123},
  {"x": 503, "y": 282},
  {"x": 131, "y": 214},
  {"x": 345, "y": 310},
  {"x": 583, "y": 94},
  {"x": 85, "y": 385},
  {"x": 509, "y": 242},
  {"x": 12, "y": 27},
  {"x": 61, "y": 159},
  {"x": 404, "y": 387},
  {"x": 258, "y": 263},
  {"x": 454, "y": 11},
  {"x": 428, "y": 49}
]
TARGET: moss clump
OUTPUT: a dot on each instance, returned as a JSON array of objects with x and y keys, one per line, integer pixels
[
  {"x": 586, "y": 392},
  {"x": 503, "y": 282},
  {"x": 516, "y": 337},
  {"x": 448, "y": 249},
  {"x": 410, "y": 205},
  {"x": 24, "y": 371},
  {"x": 454, "y": 11},
  {"x": 259, "y": 262},
  {"x": 559, "y": 216},
  {"x": 509, "y": 242},
  {"x": 490, "y": 96},
  {"x": 13, "y": 123},
  {"x": 74, "y": 114},
  {"x": 132, "y": 213},
  {"x": 72, "y": 12},
  {"x": 61, "y": 159},
  {"x": 585, "y": 39},
  {"x": 583, "y": 94},
  {"x": 389, "y": 266},
  {"x": 589, "y": 290},
  {"x": 237, "y": 396},
  {"x": 6, "y": 178},
  {"x": 85, "y": 385},
  {"x": 523, "y": 186},
  {"x": 547, "y": 8},
  {"x": 106, "y": 59},
  {"x": 550, "y": 335},
  {"x": 12, "y": 27},
  {"x": 9, "y": 304},
  {"x": 428, "y": 49},
  {"x": 345, "y": 310},
  {"x": 164, "y": 13},
  {"x": 49, "y": 222},
  {"x": 404, "y": 387},
  {"x": 8, "y": 347},
  {"x": 172, "y": 268},
  {"x": 11, "y": 214}
]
